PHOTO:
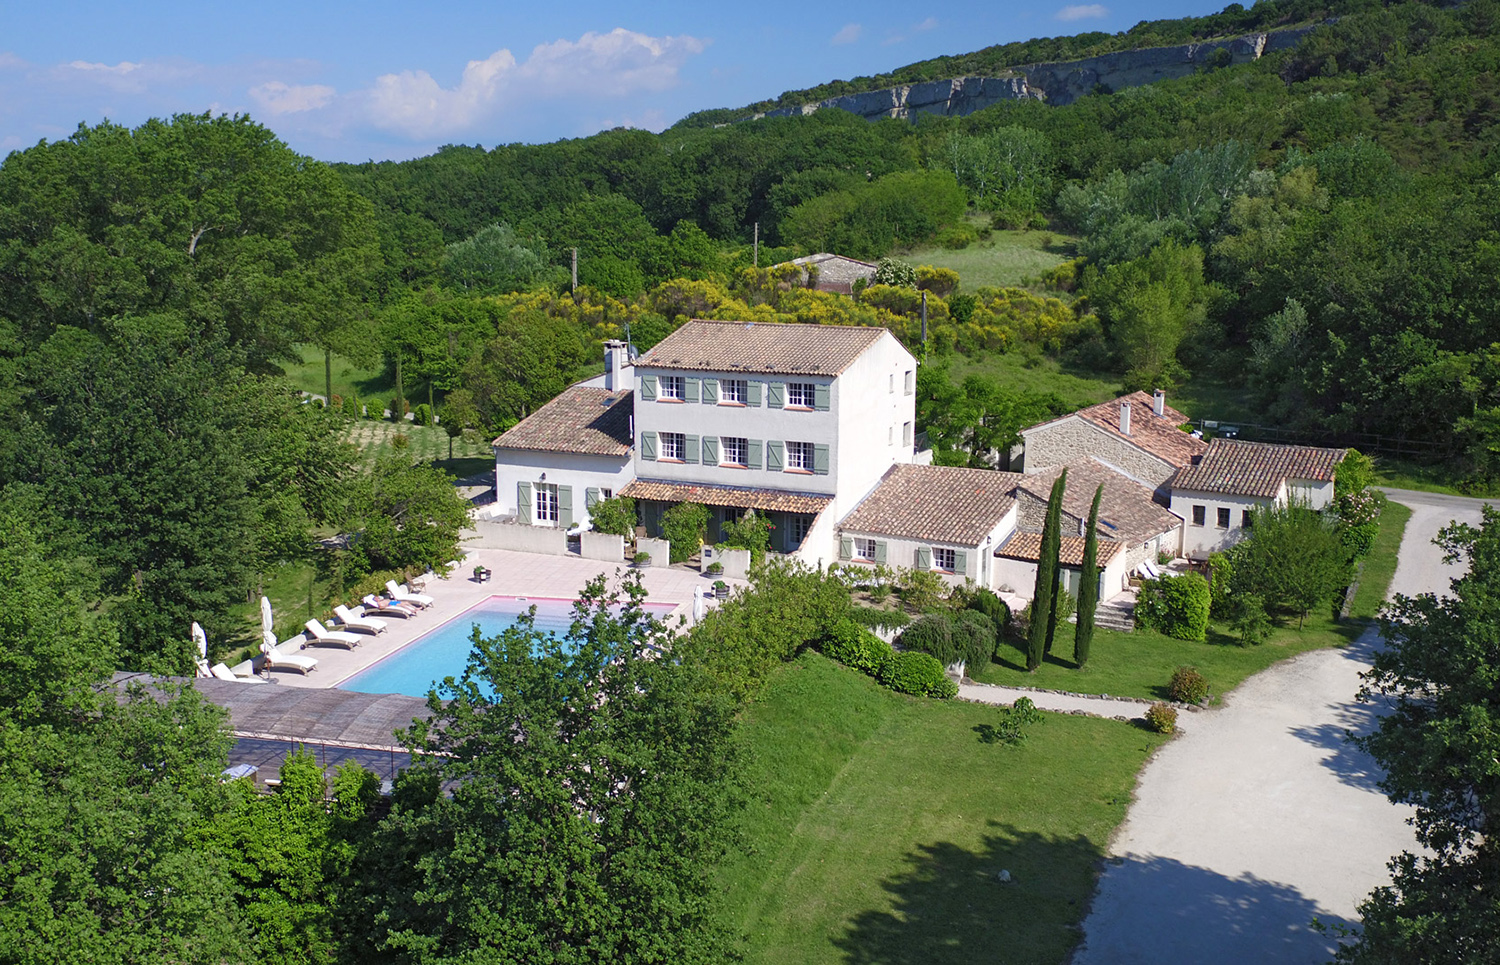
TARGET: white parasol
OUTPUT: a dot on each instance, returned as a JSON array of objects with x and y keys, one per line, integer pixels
[
  {"x": 267, "y": 625},
  {"x": 201, "y": 640}
]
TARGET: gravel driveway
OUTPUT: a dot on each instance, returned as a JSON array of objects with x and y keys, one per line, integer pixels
[{"x": 1260, "y": 817}]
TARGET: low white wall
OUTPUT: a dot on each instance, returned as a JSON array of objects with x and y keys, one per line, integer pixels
[
  {"x": 736, "y": 563},
  {"x": 601, "y": 546},
  {"x": 660, "y": 550},
  {"x": 523, "y": 539}
]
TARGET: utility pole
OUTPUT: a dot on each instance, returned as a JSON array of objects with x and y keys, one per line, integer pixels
[
  {"x": 575, "y": 271},
  {"x": 757, "y": 244},
  {"x": 924, "y": 317}
]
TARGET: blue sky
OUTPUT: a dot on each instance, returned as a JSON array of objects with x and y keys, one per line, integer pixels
[{"x": 387, "y": 80}]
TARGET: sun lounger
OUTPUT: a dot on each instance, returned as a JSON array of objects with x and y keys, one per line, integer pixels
[
  {"x": 322, "y": 636},
  {"x": 406, "y": 596},
  {"x": 388, "y": 608},
  {"x": 354, "y": 622},
  {"x": 276, "y": 660},
  {"x": 1149, "y": 570}
]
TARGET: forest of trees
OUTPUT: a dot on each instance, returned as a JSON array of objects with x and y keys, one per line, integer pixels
[{"x": 1319, "y": 230}]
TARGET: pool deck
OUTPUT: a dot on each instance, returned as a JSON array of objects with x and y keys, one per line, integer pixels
[{"x": 515, "y": 574}]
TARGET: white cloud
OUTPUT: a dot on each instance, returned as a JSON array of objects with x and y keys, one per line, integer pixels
[
  {"x": 1090, "y": 11},
  {"x": 275, "y": 97},
  {"x": 614, "y": 64},
  {"x": 9, "y": 61},
  {"x": 847, "y": 34},
  {"x": 927, "y": 24}
]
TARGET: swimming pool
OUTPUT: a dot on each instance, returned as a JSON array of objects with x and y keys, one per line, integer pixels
[{"x": 444, "y": 651}]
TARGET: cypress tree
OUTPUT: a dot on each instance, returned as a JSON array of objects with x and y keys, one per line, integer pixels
[
  {"x": 1044, "y": 599},
  {"x": 1088, "y": 588}
]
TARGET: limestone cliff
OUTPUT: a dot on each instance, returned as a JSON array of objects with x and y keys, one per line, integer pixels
[{"x": 1059, "y": 83}]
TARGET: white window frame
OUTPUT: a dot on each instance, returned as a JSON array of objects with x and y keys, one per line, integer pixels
[
  {"x": 864, "y": 549},
  {"x": 727, "y": 447},
  {"x": 673, "y": 447},
  {"x": 801, "y": 395},
  {"x": 800, "y": 456},
  {"x": 733, "y": 391},
  {"x": 944, "y": 559},
  {"x": 606, "y": 493},
  {"x": 544, "y": 504},
  {"x": 671, "y": 388}
]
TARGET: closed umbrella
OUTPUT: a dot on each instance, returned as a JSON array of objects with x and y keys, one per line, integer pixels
[
  {"x": 201, "y": 640},
  {"x": 267, "y": 625}
]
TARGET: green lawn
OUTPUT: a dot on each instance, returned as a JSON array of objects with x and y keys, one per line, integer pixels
[
  {"x": 1003, "y": 260},
  {"x": 1021, "y": 373},
  {"x": 1403, "y": 474},
  {"x": 876, "y": 824},
  {"x": 1380, "y": 565},
  {"x": 307, "y": 375},
  {"x": 425, "y": 443}
]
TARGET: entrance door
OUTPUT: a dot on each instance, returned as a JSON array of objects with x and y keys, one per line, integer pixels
[{"x": 546, "y": 504}]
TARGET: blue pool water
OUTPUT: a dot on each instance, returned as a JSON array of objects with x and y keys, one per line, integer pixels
[{"x": 444, "y": 651}]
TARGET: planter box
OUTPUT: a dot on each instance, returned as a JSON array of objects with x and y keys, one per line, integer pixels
[
  {"x": 736, "y": 563},
  {"x": 660, "y": 550}
]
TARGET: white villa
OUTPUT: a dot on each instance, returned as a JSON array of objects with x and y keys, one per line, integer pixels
[{"x": 812, "y": 427}]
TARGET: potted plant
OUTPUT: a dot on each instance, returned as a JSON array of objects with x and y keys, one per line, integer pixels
[
  {"x": 481, "y": 574},
  {"x": 721, "y": 590},
  {"x": 642, "y": 558},
  {"x": 715, "y": 568}
]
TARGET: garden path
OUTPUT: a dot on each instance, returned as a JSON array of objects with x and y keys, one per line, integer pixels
[{"x": 1260, "y": 818}]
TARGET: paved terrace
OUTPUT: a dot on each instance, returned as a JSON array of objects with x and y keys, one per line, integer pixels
[{"x": 515, "y": 574}]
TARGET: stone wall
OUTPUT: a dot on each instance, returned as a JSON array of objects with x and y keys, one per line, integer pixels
[
  {"x": 1070, "y": 439},
  {"x": 1055, "y": 83}
]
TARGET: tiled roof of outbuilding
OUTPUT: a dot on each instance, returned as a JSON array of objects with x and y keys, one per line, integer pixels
[
  {"x": 941, "y": 504},
  {"x": 1028, "y": 547},
  {"x": 582, "y": 420},
  {"x": 1126, "y": 511},
  {"x": 765, "y": 348},
  {"x": 1240, "y": 468},
  {"x": 1157, "y": 435},
  {"x": 733, "y": 496}
]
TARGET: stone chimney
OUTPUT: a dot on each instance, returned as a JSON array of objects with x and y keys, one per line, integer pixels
[
  {"x": 614, "y": 357},
  {"x": 1125, "y": 418},
  {"x": 1159, "y": 403}
]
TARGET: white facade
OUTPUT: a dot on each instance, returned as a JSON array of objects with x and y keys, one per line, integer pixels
[
  {"x": 970, "y": 562},
  {"x": 1019, "y": 577},
  {"x": 1213, "y": 522},
  {"x": 837, "y": 439},
  {"x": 536, "y": 476}
]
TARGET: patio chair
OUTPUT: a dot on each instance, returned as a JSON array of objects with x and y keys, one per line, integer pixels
[
  {"x": 401, "y": 595},
  {"x": 354, "y": 621},
  {"x": 276, "y": 660},
  {"x": 388, "y": 608},
  {"x": 324, "y": 637}
]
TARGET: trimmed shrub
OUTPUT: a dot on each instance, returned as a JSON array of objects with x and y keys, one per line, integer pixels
[
  {"x": 974, "y": 637},
  {"x": 932, "y": 634},
  {"x": 913, "y": 673},
  {"x": 944, "y": 689},
  {"x": 845, "y": 642},
  {"x": 1175, "y": 605},
  {"x": 352, "y": 408},
  {"x": 422, "y": 415},
  {"x": 1188, "y": 686},
  {"x": 1161, "y": 718},
  {"x": 989, "y": 603},
  {"x": 878, "y": 619},
  {"x": 874, "y": 655},
  {"x": 397, "y": 409}
]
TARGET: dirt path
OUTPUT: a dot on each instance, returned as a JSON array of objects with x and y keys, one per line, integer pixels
[{"x": 1260, "y": 817}]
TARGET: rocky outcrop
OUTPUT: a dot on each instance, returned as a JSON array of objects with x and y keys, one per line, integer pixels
[{"x": 1058, "y": 83}]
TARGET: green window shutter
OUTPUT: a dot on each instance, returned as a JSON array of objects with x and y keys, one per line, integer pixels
[
  {"x": 880, "y": 551},
  {"x": 690, "y": 389},
  {"x": 924, "y": 558},
  {"x": 689, "y": 448},
  {"x": 523, "y": 503},
  {"x": 774, "y": 460},
  {"x": 752, "y": 454},
  {"x": 752, "y": 394},
  {"x": 820, "y": 460},
  {"x": 961, "y": 562},
  {"x": 648, "y": 388},
  {"x": 710, "y": 450},
  {"x": 710, "y": 391},
  {"x": 820, "y": 397},
  {"x": 590, "y": 497},
  {"x": 648, "y": 446},
  {"x": 565, "y": 506},
  {"x": 846, "y": 548},
  {"x": 776, "y": 396}
]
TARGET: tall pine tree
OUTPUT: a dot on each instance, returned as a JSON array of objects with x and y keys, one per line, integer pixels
[
  {"x": 1088, "y": 587},
  {"x": 1044, "y": 599}
]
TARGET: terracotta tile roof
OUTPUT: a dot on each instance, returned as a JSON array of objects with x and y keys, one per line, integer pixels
[
  {"x": 768, "y": 499},
  {"x": 766, "y": 348},
  {"x": 1028, "y": 547},
  {"x": 1157, "y": 435},
  {"x": 943, "y": 504},
  {"x": 1241, "y": 468},
  {"x": 1126, "y": 512},
  {"x": 582, "y": 419}
]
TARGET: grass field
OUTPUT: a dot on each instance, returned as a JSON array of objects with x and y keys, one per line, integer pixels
[
  {"x": 1003, "y": 260},
  {"x": 307, "y": 375},
  {"x": 876, "y": 824},
  {"x": 425, "y": 443},
  {"x": 1380, "y": 564}
]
